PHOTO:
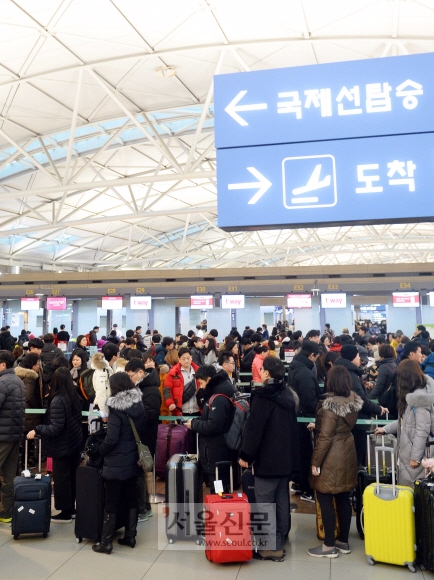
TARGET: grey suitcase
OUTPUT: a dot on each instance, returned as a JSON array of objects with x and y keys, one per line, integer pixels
[{"x": 184, "y": 498}]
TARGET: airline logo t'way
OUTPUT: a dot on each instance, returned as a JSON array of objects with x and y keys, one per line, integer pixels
[
  {"x": 333, "y": 300},
  {"x": 140, "y": 302},
  {"x": 236, "y": 301}
]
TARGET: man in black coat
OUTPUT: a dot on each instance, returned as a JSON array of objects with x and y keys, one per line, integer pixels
[
  {"x": 303, "y": 380},
  {"x": 350, "y": 359},
  {"x": 270, "y": 441},
  {"x": 12, "y": 417},
  {"x": 148, "y": 381},
  {"x": 249, "y": 354},
  {"x": 213, "y": 398}
]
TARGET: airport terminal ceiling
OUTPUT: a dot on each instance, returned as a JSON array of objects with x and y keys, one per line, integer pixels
[{"x": 107, "y": 157}]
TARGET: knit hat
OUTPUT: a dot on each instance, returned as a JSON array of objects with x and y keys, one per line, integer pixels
[{"x": 349, "y": 352}]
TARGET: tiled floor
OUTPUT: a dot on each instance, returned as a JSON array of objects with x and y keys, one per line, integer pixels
[{"x": 59, "y": 557}]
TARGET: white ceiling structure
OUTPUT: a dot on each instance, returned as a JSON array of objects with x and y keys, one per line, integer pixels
[{"x": 107, "y": 156}]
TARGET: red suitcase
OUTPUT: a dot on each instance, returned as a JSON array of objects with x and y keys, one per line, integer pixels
[
  {"x": 171, "y": 440},
  {"x": 227, "y": 529}
]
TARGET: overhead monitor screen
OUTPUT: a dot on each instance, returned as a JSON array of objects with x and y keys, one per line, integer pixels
[
  {"x": 405, "y": 299},
  {"x": 29, "y": 303},
  {"x": 56, "y": 303},
  {"x": 111, "y": 302},
  {"x": 205, "y": 302},
  {"x": 299, "y": 300},
  {"x": 232, "y": 301},
  {"x": 329, "y": 300},
  {"x": 431, "y": 299},
  {"x": 140, "y": 302}
]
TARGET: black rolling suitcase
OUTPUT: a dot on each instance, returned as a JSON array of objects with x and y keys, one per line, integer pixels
[
  {"x": 248, "y": 484},
  {"x": 424, "y": 515},
  {"x": 184, "y": 498},
  {"x": 31, "y": 512},
  {"x": 365, "y": 477}
]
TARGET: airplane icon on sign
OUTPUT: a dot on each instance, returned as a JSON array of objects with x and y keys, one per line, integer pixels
[{"x": 313, "y": 183}]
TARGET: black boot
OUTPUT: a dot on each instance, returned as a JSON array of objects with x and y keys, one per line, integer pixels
[
  {"x": 129, "y": 538},
  {"x": 108, "y": 529}
]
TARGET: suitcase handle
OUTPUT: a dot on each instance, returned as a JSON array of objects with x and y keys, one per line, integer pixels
[
  {"x": 369, "y": 454},
  {"x": 377, "y": 471},
  {"x": 26, "y": 452},
  {"x": 231, "y": 473}
]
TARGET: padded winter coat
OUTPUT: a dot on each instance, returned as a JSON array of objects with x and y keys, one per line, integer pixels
[
  {"x": 270, "y": 436},
  {"x": 214, "y": 422},
  {"x": 119, "y": 448},
  {"x": 100, "y": 381},
  {"x": 386, "y": 372},
  {"x": 335, "y": 451},
  {"x": 302, "y": 380},
  {"x": 62, "y": 434},
  {"x": 49, "y": 353},
  {"x": 33, "y": 384},
  {"x": 151, "y": 398},
  {"x": 412, "y": 431},
  {"x": 174, "y": 388},
  {"x": 12, "y": 407}
]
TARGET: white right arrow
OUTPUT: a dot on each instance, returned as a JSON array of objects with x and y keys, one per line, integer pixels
[
  {"x": 233, "y": 107},
  {"x": 263, "y": 184}
]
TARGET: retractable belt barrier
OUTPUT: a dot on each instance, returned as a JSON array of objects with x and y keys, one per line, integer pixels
[{"x": 181, "y": 418}]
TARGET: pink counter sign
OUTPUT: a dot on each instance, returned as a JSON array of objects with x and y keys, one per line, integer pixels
[
  {"x": 405, "y": 299},
  {"x": 299, "y": 300},
  {"x": 202, "y": 302},
  {"x": 232, "y": 301},
  {"x": 140, "y": 302},
  {"x": 56, "y": 302}
]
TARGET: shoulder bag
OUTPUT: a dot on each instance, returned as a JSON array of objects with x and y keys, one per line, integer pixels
[{"x": 146, "y": 461}]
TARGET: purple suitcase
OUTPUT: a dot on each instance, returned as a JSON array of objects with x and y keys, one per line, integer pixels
[{"x": 171, "y": 440}]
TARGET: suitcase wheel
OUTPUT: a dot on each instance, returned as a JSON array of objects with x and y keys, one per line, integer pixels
[
  {"x": 371, "y": 560},
  {"x": 422, "y": 567},
  {"x": 411, "y": 567},
  {"x": 45, "y": 534},
  {"x": 78, "y": 540}
]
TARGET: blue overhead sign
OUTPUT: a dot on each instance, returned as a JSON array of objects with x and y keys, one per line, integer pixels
[
  {"x": 329, "y": 183},
  {"x": 361, "y": 98}
]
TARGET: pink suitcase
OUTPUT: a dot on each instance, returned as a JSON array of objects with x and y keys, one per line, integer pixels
[{"x": 171, "y": 440}]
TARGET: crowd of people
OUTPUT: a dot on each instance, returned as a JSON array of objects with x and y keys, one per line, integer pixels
[{"x": 332, "y": 379}]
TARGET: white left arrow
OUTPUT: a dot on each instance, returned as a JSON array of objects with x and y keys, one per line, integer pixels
[
  {"x": 263, "y": 184},
  {"x": 233, "y": 107}
]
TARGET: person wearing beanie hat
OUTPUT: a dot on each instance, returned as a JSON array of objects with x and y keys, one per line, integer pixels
[{"x": 350, "y": 359}]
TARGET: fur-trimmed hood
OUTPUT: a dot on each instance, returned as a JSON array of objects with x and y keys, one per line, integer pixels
[
  {"x": 420, "y": 398},
  {"x": 26, "y": 373},
  {"x": 98, "y": 362},
  {"x": 343, "y": 406},
  {"x": 120, "y": 365},
  {"x": 125, "y": 399},
  {"x": 164, "y": 369}
]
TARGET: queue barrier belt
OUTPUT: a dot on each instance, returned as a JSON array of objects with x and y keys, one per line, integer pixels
[{"x": 171, "y": 418}]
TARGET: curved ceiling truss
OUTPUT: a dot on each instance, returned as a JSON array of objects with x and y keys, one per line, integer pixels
[{"x": 107, "y": 156}]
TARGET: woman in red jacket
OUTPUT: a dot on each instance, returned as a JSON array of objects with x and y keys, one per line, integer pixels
[
  {"x": 261, "y": 352},
  {"x": 180, "y": 386}
]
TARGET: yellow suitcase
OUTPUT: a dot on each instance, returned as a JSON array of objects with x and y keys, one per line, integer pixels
[{"x": 389, "y": 521}]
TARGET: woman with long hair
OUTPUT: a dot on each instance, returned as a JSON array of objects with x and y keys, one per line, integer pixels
[
  {"x": 29, "y": 372},
  {"x": 415, "y": 419},
  {"x": 211, "y": 355},
  {"x": 62, "y": 438},
  {"x": 77, "y": 365},
  {"x": 234, "y": 348},
  {"x": 120, "y": 469},
  {"x": 81, "y": 346}
]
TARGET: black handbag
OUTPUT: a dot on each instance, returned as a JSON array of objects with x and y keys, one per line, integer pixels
[{"x": 189, "y": 391}]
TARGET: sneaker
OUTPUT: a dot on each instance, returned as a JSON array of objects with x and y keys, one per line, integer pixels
[
  {"x": 342, "y": 548},
  {"x": 295, "y": 489},
  {"x": 5, "y": 517},
  {"x": 307, "y": 497},
  {"x": 143, "y": 517},
  {"x": 274, "y": 555},
  {"x": 62, "y": 518},
  {"x": 320, "y": 553},
  {"x": 149, "y": 510}
]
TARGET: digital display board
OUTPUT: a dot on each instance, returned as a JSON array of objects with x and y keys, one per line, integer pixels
[
  {"x": 299, "y": 301},
  {"x": 30, "y": 303},
  {"x": 111, "y": 302},
  {"x": 140, "y": 302},
  {"x": 205, "y": 302},
  {"x": 330, "y": 300},
  {"x": 232, "y": 301},
  {"x": 405, "y": 299},
  {"x": 56, "y": 302},
  {"x": 431, "y": 299}
]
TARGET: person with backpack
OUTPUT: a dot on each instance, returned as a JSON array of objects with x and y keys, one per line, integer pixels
[
  {"x": 7, "y": 341},
  {"x": 102, "y": 364},
  {"x": 270, "y": 443},
  {"x": 50, "y": 350},
  {"x": 215, "y": 394},
  {"x": 23, "y": 337},
  {"x": 62, "y": 439},
  {"x": 120, "y": 468}
]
